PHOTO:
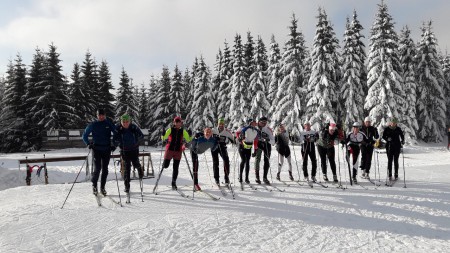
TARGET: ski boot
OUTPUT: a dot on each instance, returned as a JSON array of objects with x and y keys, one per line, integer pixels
[
  {"x": 325, "y": 178},
  {"x": 354, "y": 180},
  {"x": 103, "y": 191},
  {"x": 313, "y": 178},
  {"x": 94, "y": 190},
  {"x": 290, "y": 176},
  {"x": 266, "y": 181},
  {"x": 247, "y": 181},
  {"x": 257, "y": 180},
  {"x": 278, "y": 176},
  {"x": 197, "y": 187},
  {"x": 174, "y": 186},
  {"x": 335, "y": 180}
]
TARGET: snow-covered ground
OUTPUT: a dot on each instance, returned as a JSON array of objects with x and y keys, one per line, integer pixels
[{"x": 301, "y": 219}]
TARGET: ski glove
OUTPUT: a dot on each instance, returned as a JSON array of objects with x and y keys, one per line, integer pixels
[
  {"x": 113, "y": 148},
  {"x": 254, "y": 154},
  {"x": 90, "y": 145}
]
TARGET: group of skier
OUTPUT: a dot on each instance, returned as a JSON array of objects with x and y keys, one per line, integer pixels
[{"x": 254, "y": 135}]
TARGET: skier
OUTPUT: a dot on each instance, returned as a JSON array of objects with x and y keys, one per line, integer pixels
[
  {"x": 201, "y": 143},
  {"x": 174, "y": 146},
  {"x": 353, "y": 141},
  {"x": 246, "y": 136},
  {"x": 223, "y": 136},
  {"x": 263, "y": 143},
  {"x": 325, "y": 146},
  {"x": 101, "y": 146},
  {"x": 127, "y": 137},
  {"x": 308, "y": 137},
  {"x": 367, "y": 149},
  {"x": 282, "y": 146},
  {"x": 395, "y": 139}
]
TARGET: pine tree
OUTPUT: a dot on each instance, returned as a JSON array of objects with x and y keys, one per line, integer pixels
[
  {"x": 273, "y": 74},
  {"x": 124, "y": 100},
  {"x": 407, "y": 52},
  {"x": 223, "y": 96},
  {"x": 154, "y": 131},
  {"x": 384, "y": 80},
  {"x": 162, "y": 117},
  {"x": 323, "y": 102},
  {"x": 239, "y": 110},
  {"x": 143, "y": 105},
  {"x": 216, "y": 81},
  {"x": 187, "y": 93},
  {"x": 201, "y": 114},
  {"x": 445, "y": 61},
  {"x": 258, "y": 82},
  {"x": 353, "y": 69},
  {"x": 89, "y": 84},
  {"x": 13, "y": 123},
  {"x": 33, "y": 94},
  {"x": 176, "y": 93},
  {"x": 430, "y": 93},
  {"x": 249, "y": 55},
  {"x": 77, "y": 98},
  {"x": 106, "y": 98}
]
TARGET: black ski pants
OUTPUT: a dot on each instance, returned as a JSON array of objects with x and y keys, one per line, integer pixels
[
  {"x": 101, "y": 162},
  {"x": 309, "y": 150},
  {"x": 324, "y": 153},
  {"x": 222, "y": 151},
  {"x": 245, "y": 161},
  {"x": 366, "y": 157},
  {"x": 131, "y": 157},
  {"x": 393, "y": 154},
  {"x": 355, "y": 150},
  {"x": 263, "y": 149}
]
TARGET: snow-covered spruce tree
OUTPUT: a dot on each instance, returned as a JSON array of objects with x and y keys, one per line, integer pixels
[
  {"x": 154, "y": 131},
  {"x": 216, "y": 81},
  {"x": 161, "y": 113},
  {"x": 239, "y": 110},
  {"x": 258, "y": 82},
  {"x": 385, "y": 95},
  {"x": 54, "y": 109},
  {"x": 77, "y": 99},
  {"x": 430, "y": 90},
  {"x": 223, "y": 96},
  {"x": 176, "y": 93},
  {"x": 34, "y": 91},
  {"x": 89, "y": 84},
  {"x": 13, "y": 123},
  {"x": 187, "y": 93},
  {"x": 124, "y": 99},
  {"x": 323, "y": 87},
  {"x": 353, "y": 68},
  {"x": 249, "y": 55},
  {"x": 445, "y": 60},
  {"x": 201, "y": 114},
  {"x": 142, "y": 107},
  {"x": 273, "y": 75},
  {"x": 106, "y": 97},
  {"x": 407, "y": 52}
]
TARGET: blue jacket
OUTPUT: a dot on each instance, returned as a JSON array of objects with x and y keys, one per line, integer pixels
[
  {"x": 128, "y": 139},
  {"x": 200, "y": 144},
  {"x": 101, "y": 134}
]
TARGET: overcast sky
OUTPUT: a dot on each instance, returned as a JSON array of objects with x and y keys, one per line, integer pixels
[{"x": 144, "y": 35}]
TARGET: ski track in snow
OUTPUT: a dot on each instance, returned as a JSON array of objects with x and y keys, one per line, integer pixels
[{"x": 301, "y": 219}]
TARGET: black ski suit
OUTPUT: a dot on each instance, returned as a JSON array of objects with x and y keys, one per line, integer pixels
[
  {"x": 394, "y": 140},
  {"x": 367, "y": 148}
]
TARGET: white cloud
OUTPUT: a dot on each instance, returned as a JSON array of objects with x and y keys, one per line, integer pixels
[{"x": 142, "y": 35}]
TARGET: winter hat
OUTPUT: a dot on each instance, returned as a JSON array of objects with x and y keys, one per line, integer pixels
[
  {"x": 263, "y": 118},
  {"x": 177, "y": 118},
  {"x": 367, "y": 119},
  {"x": 394, "y": 120},
  {"x": 221, "y": 121},
  {"x": 332, "y": 126},
  {"x": 249, "y": 121},
  {"x": 100, "y": 111},
  {"x": 125, "y": 117},
  {"x": 306, "y": 123},
  {"x": 357, "y": 124}
]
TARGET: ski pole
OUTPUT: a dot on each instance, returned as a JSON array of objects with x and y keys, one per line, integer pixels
[
  {"x": 192, "y": 175},
  {"x": 75, "y": 180},
  {"x": 141, "y": 183},
  {"x": 339, "y": 166},
  {"x": 207, "y": 168},
  {"x": 404, "y": 172},
  {"x": 295, "y": 157},
  {"x": 117, "y": 181},
  {"x": 160, "y": 169}
]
